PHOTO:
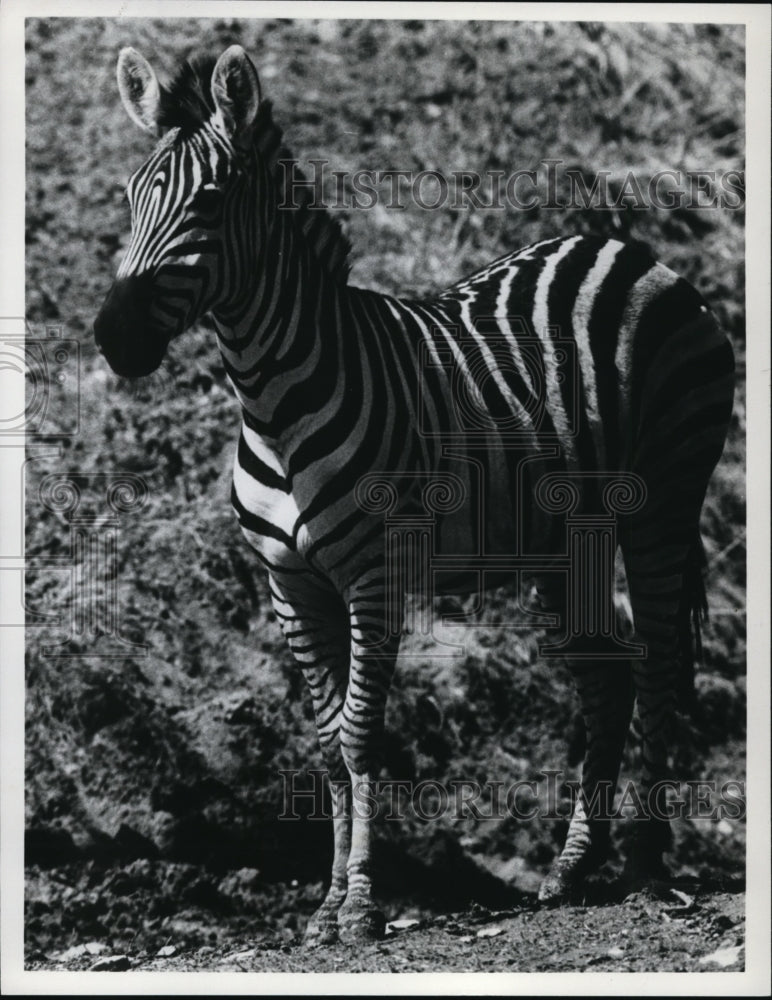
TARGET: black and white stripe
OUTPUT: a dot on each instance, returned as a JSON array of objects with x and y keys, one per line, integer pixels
[{"x": 338, "y": 383}]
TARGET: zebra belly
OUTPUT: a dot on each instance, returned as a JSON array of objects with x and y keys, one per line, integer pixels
[{"x": 495, "y": 538}]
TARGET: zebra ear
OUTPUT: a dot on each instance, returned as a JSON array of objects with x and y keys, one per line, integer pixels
[
  {"x": 139, "y": 89},
  {"x": 236, "y": 93}
]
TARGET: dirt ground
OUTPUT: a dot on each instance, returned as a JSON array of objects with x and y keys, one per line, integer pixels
[{"x": 685, "y": 926}]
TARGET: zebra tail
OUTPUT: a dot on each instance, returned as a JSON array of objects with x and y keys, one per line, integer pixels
[{"x": 694, "y": 612}]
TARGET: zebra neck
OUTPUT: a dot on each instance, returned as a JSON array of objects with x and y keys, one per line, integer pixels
[
  {"x": 283, "y": 354},
  {"x": 288, "y": 303}
]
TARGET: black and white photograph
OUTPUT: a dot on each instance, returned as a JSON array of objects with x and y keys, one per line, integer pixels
[{"x": 385, "y": 498}]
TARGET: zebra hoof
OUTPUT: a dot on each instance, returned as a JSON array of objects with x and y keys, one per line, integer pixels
[
  {"x": 560, "y": 886},
  {"x": 644, "y": 862},
  {"x": 321, "y": 932},
  {"x": 360, "y": 922},
  {"x": 322, "y": 928}
]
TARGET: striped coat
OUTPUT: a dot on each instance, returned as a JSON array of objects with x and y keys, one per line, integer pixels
[{"x": 576, "y": 362}]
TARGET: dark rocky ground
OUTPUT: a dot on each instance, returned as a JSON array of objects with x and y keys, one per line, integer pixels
[{"x": 231, "y": 925}]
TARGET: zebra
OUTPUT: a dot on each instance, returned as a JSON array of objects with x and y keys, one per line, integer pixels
[{"x": 349, "y": 395}]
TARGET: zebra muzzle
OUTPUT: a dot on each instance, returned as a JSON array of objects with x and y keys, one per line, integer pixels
[{"x": 124, "y": 332}]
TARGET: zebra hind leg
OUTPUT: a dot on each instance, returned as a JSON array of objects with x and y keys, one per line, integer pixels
[
  {"x": 664, "y": 559},
  {"x": 316, "y": 626},
  {"x": 606, "y": 698},
  {"x": 684, "y": 382},
  {"x": 665, "y": 595}
]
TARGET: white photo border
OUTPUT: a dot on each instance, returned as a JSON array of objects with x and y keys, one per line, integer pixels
[{"x": 756, "y": 979}]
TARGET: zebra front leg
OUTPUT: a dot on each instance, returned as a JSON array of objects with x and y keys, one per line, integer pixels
[
  {"x": 316, "y": 626},
  {"x": 606, "y": 698},
  {"x": 322, "y": 928},
  {"x": 372, "y": 668}
]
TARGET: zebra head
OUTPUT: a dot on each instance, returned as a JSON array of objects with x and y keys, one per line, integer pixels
[{"x": 187, "y": 205}]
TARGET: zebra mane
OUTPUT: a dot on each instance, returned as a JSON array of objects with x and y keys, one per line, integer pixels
[
  {"x": 186, "y": 99},
  {"x": 187, "y": 103}
]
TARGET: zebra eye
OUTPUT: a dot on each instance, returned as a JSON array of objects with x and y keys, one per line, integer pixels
[{"x": 207, "y": 198}]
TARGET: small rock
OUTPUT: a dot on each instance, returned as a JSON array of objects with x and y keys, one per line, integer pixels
[
  {"x": 112, "y": 963},
  {"x": 723, "y": 957},
  {"x": 489, "y": 932},
  {"x": 688, "y": 905},
  {"x": 402, "y": 924},
  {"x": 79, "y": 950},
  {"x": 167, "y": 951},
  {"x": 725, "y": 828},
  {"x": 239, "y": 956},
  {"x": 465, "y": 939},
  {"x": 615, "y": 952}
]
